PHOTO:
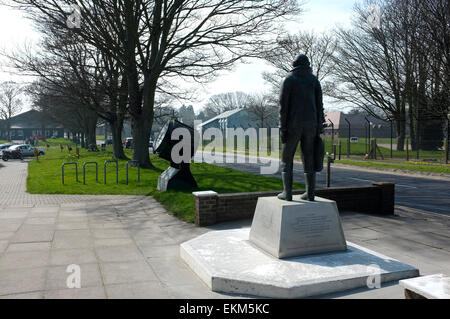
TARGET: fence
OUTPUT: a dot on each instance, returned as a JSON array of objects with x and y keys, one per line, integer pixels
[{"x": 424, "y": 141}]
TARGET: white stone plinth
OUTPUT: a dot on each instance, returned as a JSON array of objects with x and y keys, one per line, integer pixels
[
  {"x": 227, "y": 262},
  {"x": 296, "y": 228},
  {"x": 431, "y": 287}
]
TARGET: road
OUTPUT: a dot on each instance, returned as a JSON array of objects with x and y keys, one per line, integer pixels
[{"x": 422, "y": 193}]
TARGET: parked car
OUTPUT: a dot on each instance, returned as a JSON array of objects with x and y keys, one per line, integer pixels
[
  {"x": 5, "y": 147},
  {"x": 129, "y": 142},
  {"x": 11, "y": 154},
  {"x": 26, "y": 150},
  {"x": 150, "y": 143}
]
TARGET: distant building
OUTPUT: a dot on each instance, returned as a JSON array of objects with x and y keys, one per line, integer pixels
[
  {"x": 358, "y": 126},
  {"x": 238, "y": 118},
  {"x": 31, "y": 124}
]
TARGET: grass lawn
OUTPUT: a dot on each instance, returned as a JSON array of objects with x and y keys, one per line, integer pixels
[{"x": 44, "y": 177}]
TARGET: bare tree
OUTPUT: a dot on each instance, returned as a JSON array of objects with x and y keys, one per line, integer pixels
[
  {"x": 161, "y": 39},
  {"x": 318, "y": 47},
  {"x": 387, "y": 70},
  {"x": 223, "y": 102},
  {"x": 10, "y": 102},
  {"x": 262, "y": 109}
]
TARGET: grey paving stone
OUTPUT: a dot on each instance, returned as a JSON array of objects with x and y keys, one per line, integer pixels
[
  {"x": 72, "y": 220},
  {"x": 10, "y": 225},
  {"x": 72, "y": 256},
  {"x": 29, "y": 235},
  {"x": 109, "y": 233},
  {"x": 24, "y": 259},
  {"x": 44, "y": 212},
  {"x": 172, "y": 271},
  {"x": 127, "y": 272},
  {"x": 144, "y": 290},
  {"x": 89, "y": 274},
  {"x": 72, "y": 239},
  {"x": 160, "y": 239},
  {"x": 105, "y": 225},
  {"x": 152, "y": 251},
  {"x": 82, "y": 293},
  {"x": 363, "y": 234},
  {"x": 197, "y": 291},
  {"x": 40, "y": 221},
  {"x": 3, "y": 245},
  {"x": 108, "y": 242},
  {"x": 15, "y": 247},
  {"x": 15, "y": 281},
  {"x": 14, "y": 215},
  {"x": 118, "y": 253},
  {"x": 44, "y": 209},
  {"x": 6, "y": 235},
  {"x": 71, "y": 225},
  {"x": 31, "y": 295},
  {"x": 72, "y": 213}
]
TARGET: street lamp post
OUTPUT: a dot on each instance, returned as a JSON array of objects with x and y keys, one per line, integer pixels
[
  {"x": 368, "y": 134},
  {"x": 332, "y": 136},
  {"x": 349, "y": 136}
]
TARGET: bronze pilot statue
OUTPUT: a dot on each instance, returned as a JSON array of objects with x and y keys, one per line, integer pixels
[{"x": 301, "y": 120}]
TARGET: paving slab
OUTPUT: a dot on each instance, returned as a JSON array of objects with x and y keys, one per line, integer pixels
[
  {"x": 72, "y": 256},
  {"x": 83, "y": 293},
  {"x": 142, "y": 290},
  {"x": 24, "y": 259},
  {"x": 127, "y": 272},
  {"x": 15, "y": 281}
]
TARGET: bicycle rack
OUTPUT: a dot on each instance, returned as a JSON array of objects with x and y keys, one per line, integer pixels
[
  {"x": 139, "y": 169},
  {"x": 84, "y": 171},
  {"x": 76, "y": 170},
  {"x": 117, "y": 169}
]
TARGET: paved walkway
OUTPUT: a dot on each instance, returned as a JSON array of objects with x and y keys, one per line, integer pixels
[{"x": 127, "y": 246}]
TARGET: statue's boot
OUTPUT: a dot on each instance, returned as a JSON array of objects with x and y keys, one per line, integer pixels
[
  {"x": 287, "y": 184},
  {"x": 310, "y": 179}
]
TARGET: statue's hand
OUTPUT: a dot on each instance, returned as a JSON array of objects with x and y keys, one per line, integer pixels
[{"x": 321, "y": 128}]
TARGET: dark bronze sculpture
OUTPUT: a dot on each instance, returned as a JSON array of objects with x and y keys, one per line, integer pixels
[{"x": 301, "y": 120}]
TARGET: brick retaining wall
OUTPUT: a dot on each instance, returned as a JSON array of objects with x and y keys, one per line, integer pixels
[{"x": 212, "y": 208}]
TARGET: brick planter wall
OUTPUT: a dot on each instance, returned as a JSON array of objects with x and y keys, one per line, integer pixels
[{"x": 212, "y": 208}]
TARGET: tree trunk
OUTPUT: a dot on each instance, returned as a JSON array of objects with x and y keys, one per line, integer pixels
[
  {"x": 92, "y": 130},
  {"x": 401, "y": 130},
  {"x": 142, "y": 124},
  {"x": 141, "y": 128},
  {"x": 116, "y": 132}
]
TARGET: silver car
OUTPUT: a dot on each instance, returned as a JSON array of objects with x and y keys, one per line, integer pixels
[
  {"x": 4, "y": 147},
  {"x": 27, "y": 150}
]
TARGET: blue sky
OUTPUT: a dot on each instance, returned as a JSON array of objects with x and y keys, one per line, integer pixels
[{"x": 319, "y": 16}]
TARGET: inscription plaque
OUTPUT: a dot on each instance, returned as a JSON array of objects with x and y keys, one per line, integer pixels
[{"x": 297, "y": 228}]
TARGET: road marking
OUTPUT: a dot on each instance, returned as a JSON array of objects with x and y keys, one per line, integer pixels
[
  {"x": 407, "y": 186},
  {"x": 359, "y": 179}
]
